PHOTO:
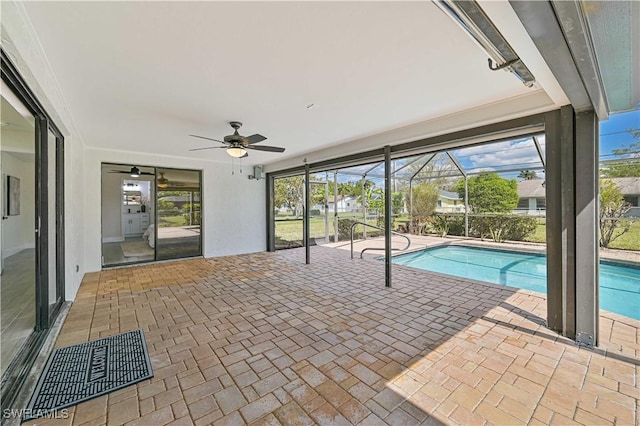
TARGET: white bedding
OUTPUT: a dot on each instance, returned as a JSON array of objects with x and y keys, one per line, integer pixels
[{"x": 150, "y": 235}]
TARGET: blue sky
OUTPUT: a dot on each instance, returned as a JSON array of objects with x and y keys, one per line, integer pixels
[{"x": 613, "y": 132}]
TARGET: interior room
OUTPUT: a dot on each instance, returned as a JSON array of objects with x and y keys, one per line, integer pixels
[{"x": 18, "y": 243}]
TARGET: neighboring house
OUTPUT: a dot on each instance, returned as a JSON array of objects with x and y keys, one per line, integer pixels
[
  {"x": 533, "y": 200},
  {"x": 630, "y": 189},
  {"x": 449, "y": 202},
  {"x": 346, "y": 204}
]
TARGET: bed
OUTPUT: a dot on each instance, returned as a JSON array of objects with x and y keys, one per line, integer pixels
[{"x": 150, "y": 235}]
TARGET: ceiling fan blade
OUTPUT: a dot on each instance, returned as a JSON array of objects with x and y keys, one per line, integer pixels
[
  {"x": 265, "y": 148},
  {"x": 209, "y": 139},
  {"x": 255, "y": 138},
  {"x": 208, "y": 147},
  {"x": 246, "y": 154}
]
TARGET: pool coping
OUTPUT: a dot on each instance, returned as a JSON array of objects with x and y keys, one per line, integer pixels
[{"x": 612, "y": 315}]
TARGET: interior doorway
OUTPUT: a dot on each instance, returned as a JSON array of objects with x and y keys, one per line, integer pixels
[
  {"x": 18, "y": 241},
  {"x": 149, "y": 213}
]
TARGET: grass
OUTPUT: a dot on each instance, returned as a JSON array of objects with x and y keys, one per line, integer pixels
[
  {"x": 628, "y": 241},
  {"x": 540, "y": 234},
  {"x": 289, "y": 228}
]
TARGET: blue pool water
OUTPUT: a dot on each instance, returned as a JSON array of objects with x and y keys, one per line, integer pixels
[{"x": 619, "y": 285}]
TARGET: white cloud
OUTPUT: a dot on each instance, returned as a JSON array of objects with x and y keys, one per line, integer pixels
[{"x": 498, "y": 155}]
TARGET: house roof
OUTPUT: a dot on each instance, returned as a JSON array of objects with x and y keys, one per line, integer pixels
[
  {"x": 533, "y": 188},
  {"x": 450, "y": 195},
  {"x": 628, "y": 185}
]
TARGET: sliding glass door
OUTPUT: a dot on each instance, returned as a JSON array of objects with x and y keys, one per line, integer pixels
[
  {"x": 18, "y": 240},
  {"x": 178, "y": 213},
  {"x": 32, "y": 230},
  {"x": 149, "y": 214}
]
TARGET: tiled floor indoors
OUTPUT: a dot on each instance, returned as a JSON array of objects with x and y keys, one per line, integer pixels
[{"x": 266, "y": 339}]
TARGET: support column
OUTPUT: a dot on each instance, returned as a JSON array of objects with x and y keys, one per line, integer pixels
[
  {"x": 572, "y": 224},
  {"x": 271, "y": 223},
  {"x": 553, "y": 187},
  {"x": 387, "y": 215},
  {"x": 307, "y": 216},
  {"x": 326, "y": 207},
  {"x": 335, "y": 206},
  {"x": 364, "y": 200},
  {"x": 587, "y": 312},
  {"x": 466, "y": 206},
  {"x": 568, "y": 211}
]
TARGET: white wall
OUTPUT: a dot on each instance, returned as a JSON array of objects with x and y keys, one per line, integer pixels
[
  {"x": 18, "y": 231},
  {"x": 111, "y": 207},
  {"x": 233, "y": 206}
]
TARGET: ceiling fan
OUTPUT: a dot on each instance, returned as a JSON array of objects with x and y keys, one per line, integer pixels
[
  {"x": 163, "y": 182},
  {"x": 237, "y": 145},
  {"x": 134, "y": 172}
]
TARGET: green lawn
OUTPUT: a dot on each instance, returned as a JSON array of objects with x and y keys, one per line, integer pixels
[
  {"x": 628, "y": 241},
  {"x": 289, "y": 229},
  {"x": 540, "y": 234}
]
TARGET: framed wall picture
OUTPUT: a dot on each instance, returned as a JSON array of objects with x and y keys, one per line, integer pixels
[
  {"x": 13, "y": 196},
  {"x": 4, "y": 197}
]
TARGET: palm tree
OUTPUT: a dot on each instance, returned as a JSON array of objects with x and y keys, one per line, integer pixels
[{"x": 528, "y": 175}]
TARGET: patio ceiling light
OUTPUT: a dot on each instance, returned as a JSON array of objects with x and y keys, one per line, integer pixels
[
  {"x": 236, "y": 151},
  {"x": 472, "y": 19}
]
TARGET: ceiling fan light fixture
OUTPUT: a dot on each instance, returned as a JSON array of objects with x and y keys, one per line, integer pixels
[
  {"x": 236, "y": 151},
  {"x": 163, "y": 182}
]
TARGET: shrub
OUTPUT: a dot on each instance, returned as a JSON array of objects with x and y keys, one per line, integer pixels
[
  {"x": 444, "y": 224},
  {"x": 501, "y": 228},
  {"x": 314, "y": 212},
  {"x": 344, "y": 229}
]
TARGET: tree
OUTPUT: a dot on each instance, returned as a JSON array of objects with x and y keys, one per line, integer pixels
[
  {"x": 289, "y": 193},
  {"x": 627, "y": 161},
  {"x": 490, "y": 193},
  {"x": 425, "y": 200},
  {"x": 612, "y": 209},
  {"x": 528, "y": 175}
]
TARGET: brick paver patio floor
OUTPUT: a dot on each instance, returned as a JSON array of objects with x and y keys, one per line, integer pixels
[{"x": 266, "y": 339}]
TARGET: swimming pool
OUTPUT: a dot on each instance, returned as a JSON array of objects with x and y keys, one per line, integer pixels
[{"x": 619, "y": 285}]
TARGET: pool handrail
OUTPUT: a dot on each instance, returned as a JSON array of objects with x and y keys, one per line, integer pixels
[{"x": 376, "y": 248}]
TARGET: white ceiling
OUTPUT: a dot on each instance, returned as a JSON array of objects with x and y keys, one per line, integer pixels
[{"x": 141, "y": 76}]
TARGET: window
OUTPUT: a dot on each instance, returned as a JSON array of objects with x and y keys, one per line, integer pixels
[{"x": 523, "y": 203}]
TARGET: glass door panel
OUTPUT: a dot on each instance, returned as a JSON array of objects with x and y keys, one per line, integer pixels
[
  {"x": 289, "y": 203},
  {"x": 178, "y": 233},
  {"x": 55, "y": 293},
  {"x": 127, "y": 214},
  {"x": 17, "y": 236}
]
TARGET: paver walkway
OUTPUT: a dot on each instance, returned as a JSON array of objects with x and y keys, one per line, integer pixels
[{"x": 265, "y": 339}]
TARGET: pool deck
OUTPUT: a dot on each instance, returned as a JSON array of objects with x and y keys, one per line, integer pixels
[
  {"x": 419, "y": 242},
  {"x": 266, "y": 339}
]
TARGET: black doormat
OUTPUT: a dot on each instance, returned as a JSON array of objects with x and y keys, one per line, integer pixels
[{"x": 81, "y": 372}]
